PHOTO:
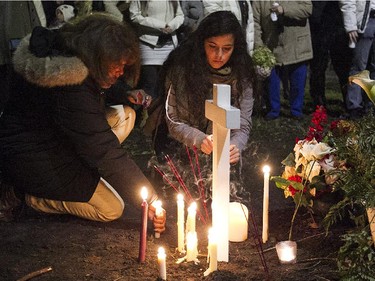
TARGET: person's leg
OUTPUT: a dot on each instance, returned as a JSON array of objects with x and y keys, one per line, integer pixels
[
  {"x": 104, "y": 205},
  {"x": 297, "y": 78},
  {"x": 274, "y": 93},
  {"x": 121, "y": 119},
  {"x": 148, "y": 79},
  {"x": 360, "y": 59}
]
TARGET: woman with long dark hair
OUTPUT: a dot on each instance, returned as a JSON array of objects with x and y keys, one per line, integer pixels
[{"x": 215, "y": 53}]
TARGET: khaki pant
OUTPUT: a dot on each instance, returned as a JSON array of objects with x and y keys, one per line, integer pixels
[{"x": 105, "y": 204}]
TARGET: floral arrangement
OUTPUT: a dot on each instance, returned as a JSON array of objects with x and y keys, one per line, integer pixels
[
  {"x": 264, "y": 61},
  {"x": 311, "y": 169}
]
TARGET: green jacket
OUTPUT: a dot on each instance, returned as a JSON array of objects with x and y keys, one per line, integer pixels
[{"x": 289, "y": 37}]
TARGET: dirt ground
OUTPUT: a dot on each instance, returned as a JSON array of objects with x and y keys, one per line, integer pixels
[{"x": 83, "y": 250}]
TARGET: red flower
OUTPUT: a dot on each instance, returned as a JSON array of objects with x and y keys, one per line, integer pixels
[{"x": 291, "y": 189}]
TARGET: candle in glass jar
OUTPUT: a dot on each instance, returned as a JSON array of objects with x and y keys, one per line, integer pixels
[
  {"x": 180, "y": 223},
  {"x": 266, "y": 171},
  {"x": 143, "y": 232},
  {"x": 162, "y": 264},
  {"x": 158, "y": 212},
  {"x": 190, "y": 222}
]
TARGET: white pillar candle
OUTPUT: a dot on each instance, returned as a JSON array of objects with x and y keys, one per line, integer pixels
[
  {"x": 191, "y": 246},
  {"x": 266, "y": 171},
  {"x": 238, "y": 222},
  {"x": 158, "y": 212},
  {"x": 162, "y": 263},
  {"x": 190, "y": 222},
  {"x": 212, "y": 252},
  {"x": 180, "y": 223}
]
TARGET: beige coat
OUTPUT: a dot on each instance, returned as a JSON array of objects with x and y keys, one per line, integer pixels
[{"x": 288, "y": 38}]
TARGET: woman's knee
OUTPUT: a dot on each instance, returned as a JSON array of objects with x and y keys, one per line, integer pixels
[{"x": 112, "y": 212}]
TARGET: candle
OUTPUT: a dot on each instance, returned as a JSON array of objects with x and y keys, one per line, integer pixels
[
  {"x": 266, "y": 171},
  {"x": 162, "y": 264},
  {"x": 238, "y": 226},
  {"x": 287, "y": 251},
  {"x": 190, "y": 223},
  {"x": 212, "y": 252},
  {"x": 143, "y": 232},
  {"x": 180, "y": 223},
  {"x": 191, "y": 246},
  {"x": 158, "y": 212}
]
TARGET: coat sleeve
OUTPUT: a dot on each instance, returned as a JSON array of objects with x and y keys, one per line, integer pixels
[
  {"x": 349, "y": 14},
  {"x": 178, "y": 129},
  {"x": 240, "y": 136},
  {"x": 81, "y": 116},
  {"x": 136, "y": 16},
  {"x": 257, "y": 14},
  {"x": 178, "y": 19}
]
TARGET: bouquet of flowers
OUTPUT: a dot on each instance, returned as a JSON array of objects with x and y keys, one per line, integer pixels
[
  {"x": 311, "y": 169},
  {"x": 264, "y": 61}
]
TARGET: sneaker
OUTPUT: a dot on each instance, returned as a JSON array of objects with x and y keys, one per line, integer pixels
[{"x": 270, "y": 117}]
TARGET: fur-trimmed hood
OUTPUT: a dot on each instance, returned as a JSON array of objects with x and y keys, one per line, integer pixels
[{"x": 50, "y": 71}]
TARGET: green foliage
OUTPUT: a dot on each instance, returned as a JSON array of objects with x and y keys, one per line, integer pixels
[
  {"x": 264, "y": 57},
  {"x": 355, "y": 144},
  {"x": 356, "y": 258}
]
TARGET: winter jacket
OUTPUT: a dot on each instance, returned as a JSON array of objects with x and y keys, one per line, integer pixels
[
  {"x": 355, "y": 14},
  {"x": 232, "y": 5},
  {"x": 156, "y": 14},
  {"x": 55, "y": 141},
  {"x": 289, "y": 37}
]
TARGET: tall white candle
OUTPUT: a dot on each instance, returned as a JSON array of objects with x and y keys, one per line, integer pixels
[
  {"x": 266, "y": 171},
  {"x": 162, "y": 263},
  {"x": 191, "y": 246},
  {"x": 180, "y": 223},
  {"x": 190, "y": 222},
  {"x": 158, "y": 212},
  {"x": 212, "y": 252}
]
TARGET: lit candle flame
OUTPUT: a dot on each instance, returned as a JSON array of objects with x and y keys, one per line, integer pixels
[
  {"x": 180, "y": 197},
  {"x": 144, "y": 193},
  {"x": 266, "y": 169},
  {"x": 158, "y": 210},
  {"x": 193, "y": 207},
  {"x": 161, "y": 251}
]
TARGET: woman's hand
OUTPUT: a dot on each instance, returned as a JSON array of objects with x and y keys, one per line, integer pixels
[
  {"x": 139, "y": 97},
  {"x": 234, "y": 154},
  {"x": 158, "y": 221},
  {"x": 207, "y": 145}
]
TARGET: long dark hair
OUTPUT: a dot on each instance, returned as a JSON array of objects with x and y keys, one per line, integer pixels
[
  {"x": 190, "y": 55},
  {"x": 99, "y": 40}
]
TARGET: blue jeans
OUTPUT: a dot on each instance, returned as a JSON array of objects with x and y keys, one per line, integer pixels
[{"x": 296, "y": 74}]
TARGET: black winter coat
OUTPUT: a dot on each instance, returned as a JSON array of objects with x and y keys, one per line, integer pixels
[{"x": 55, "y": 141}]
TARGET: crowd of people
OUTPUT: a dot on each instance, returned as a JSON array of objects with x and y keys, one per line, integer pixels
[{"x": 80, "y": 71}]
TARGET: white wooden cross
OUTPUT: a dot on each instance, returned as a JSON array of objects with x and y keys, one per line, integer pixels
[{"x": 224, "y": 118}]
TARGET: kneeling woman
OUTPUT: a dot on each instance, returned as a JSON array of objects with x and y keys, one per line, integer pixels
[
  {"x": 215, "y": 53},
  {"x": 56, "y": 143}
]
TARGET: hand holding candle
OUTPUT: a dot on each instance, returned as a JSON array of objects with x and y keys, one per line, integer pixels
[
  {"x": 158, "y": 213},
  {"x": 158, "y": 220},
  {"x": 266, "y": 171},
  {"x": 143, "y": 232}
]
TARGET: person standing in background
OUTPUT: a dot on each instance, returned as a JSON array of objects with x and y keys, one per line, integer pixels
[
  {"x": 329, "y": 42},
  {"x": 287, "y": 35},
  {"x": 241, "y": 9},
  {"x": 193, "y": 14},
  {"x": 156, "y": 23},
  {"x": 359, "y": 23}
]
